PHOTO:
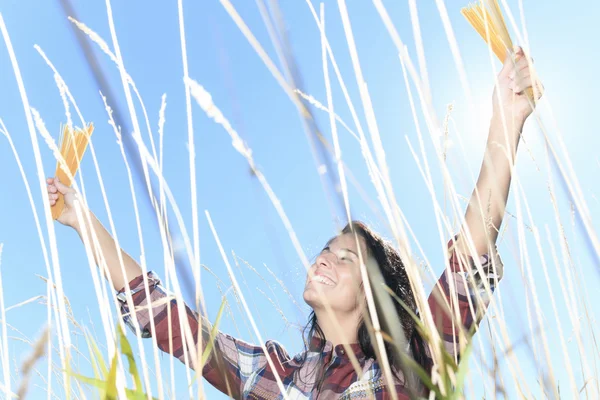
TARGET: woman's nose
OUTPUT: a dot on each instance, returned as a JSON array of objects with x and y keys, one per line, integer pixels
[{"x": 324, "y": 261}]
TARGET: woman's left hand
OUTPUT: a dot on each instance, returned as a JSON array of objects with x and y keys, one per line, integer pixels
[{"x": 510, "y": 98}]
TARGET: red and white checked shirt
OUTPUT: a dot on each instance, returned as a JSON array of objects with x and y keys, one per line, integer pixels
[{"x": 241, "y": 369}]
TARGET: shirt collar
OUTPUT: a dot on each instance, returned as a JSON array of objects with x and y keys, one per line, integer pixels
[{"x": 318, "y": 344}]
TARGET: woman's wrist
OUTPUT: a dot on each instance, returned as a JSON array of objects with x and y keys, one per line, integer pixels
[
  {"x": 78, "y": 224},
  {"x": 513, "y": 124}
]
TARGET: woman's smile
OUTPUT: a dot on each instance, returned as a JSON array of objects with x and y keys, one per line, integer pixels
[{"x": 321, "y": 278}]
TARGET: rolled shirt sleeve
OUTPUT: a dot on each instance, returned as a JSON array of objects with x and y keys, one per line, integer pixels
[
  {"x": 467, "y": 289},
  {"x": 231, "y": 361}
]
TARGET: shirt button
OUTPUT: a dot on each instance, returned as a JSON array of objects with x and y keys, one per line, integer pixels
[{"x": 342, "y": 352}]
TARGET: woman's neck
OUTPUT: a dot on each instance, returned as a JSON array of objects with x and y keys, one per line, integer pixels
[{"x": 338, "y": 330}]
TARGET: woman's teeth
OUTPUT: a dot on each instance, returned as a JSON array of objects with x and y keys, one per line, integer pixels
[{"x": 324, "y": 280}]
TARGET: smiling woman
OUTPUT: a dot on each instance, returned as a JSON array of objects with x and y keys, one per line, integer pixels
[
  {"x": 335, "y": 281},
  {"x": 340, "y": 361}
]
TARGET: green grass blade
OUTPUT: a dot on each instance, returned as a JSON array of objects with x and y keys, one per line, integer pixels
[
  {"x": 463, "y": 368},
  {"x": 137, "y": 395},
  {"x": 128, "y": 352},
  {"x": 423, "y": 375},
  {"x": 111, "y": 381},
  {"x": 213, "y": 333},
  {"x": 98, "y": 383},
  {"x": 98, "y": 363}
]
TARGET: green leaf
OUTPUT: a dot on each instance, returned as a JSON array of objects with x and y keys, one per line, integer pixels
[
  {"x": 137, "y": 395},
  {"x": 100, "y": 384},
  {"x": 418, "y": 322},
  {"x": 96, "y": 357},
  {"x": 424, "y": 376},
  {"x": 213, "y": 333},
  {"x": 448, "y": 359},
  {"x": 463, "y": 368},
  {"x": 128, "y": 352},
  {"x": 111, "y": 382}
]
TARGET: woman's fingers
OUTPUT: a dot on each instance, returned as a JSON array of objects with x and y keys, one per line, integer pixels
[
  {"x": 52, "y": 197},
  {"x": 517, "y": 74},
  {"x": 519, "y": 51},
  {"x": 62, "y": 188},
  {"x": 509, "y": 61},
  {"x": 519, "y": 67},
  {"x": 520, "y": 85},
  {"x": 515, "y": 62},
  {"x": 54, "y": 189},
  {"x": 50, "y": 185}
]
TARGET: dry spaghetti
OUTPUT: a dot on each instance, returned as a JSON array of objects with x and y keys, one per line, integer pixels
[
  {"x": 487, "y": 19},
  {"x": 73, "y": 144}
]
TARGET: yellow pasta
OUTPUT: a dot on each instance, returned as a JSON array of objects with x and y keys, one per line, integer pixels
[
  {"x": 487, "y": 19},
  {"x": 485, "y": 16},
  {"x": 72, "y": 147}
]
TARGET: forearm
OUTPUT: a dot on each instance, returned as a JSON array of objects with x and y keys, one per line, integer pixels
[
  {"x": 487, "y": 205},
  {"x": 108, "y": 253}
]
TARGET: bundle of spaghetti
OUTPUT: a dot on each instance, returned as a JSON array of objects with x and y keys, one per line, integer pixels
[
  {"x": 73, "y": 144},
  {"x": 487, "y": 19}
]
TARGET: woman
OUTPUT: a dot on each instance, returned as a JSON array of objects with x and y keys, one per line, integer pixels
[{"x": 334, "y": 288}]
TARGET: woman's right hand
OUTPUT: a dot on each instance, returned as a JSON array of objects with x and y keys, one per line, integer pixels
[{"x": 68, "y": 216}]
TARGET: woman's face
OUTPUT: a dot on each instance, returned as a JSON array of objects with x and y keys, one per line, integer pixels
[{"x": 335, "y": 276}]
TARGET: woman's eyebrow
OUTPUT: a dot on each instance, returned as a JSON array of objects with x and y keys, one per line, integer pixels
[
  {"x": 327, "y": 248},
  {"x": 350, "y": 251}
]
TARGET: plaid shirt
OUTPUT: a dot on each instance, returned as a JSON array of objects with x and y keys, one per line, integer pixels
[{"x": 241, "y": 369}]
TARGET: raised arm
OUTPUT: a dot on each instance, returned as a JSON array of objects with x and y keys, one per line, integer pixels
[
  {"x": 107, "y": 247},
  {"x": 231, "y": 362},
  {"x": 511, "y": 107},
  {"x": 462, "y": 286}
]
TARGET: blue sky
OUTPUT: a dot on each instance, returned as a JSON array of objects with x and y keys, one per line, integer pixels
[{"x": 562, "y": 38}]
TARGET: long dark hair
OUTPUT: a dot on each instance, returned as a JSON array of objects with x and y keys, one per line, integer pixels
[{"x": 395, "y": 277}]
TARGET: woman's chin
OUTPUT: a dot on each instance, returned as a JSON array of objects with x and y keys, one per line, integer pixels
[{"x": 311, "y": 297}]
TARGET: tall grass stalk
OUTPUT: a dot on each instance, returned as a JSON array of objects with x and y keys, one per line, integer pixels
[
  {"x": 332, "y": 124},
  {"x": 63, "y": 333}
]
